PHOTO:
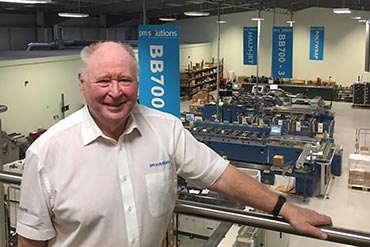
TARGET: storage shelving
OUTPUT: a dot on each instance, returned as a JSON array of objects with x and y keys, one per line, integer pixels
[
  {"x": 361, "y": 94},
  {"x": 345, "y": 94},
  {"x": 203, "y": 76}
]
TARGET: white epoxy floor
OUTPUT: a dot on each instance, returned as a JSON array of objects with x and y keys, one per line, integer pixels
[{"x": 348, "y": 208}]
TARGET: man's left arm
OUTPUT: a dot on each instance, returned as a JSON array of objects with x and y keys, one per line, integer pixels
[{"x": 242, "y": 188}]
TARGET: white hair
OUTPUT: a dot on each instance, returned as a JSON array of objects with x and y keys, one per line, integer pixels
[{"x": 87, "y": 51}]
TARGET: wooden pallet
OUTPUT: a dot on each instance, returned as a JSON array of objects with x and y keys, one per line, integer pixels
[
  {"x": 361, "y": 105},
  {"x": 359, "y": 187}
]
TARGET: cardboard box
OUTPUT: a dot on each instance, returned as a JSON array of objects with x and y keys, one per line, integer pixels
[
  {"x": 243, "y": 78},
  {"x": 278, "y": 161},
  {"x": 286, "y": 81},
  {"x": 364, "y": 150},
  {"x": 298, "y": 82},
  {"x": 184, "y": 76},
  {"x": 202, "y": 96},
  {"x": 367, "y": 179},
  {"x": 193, "y": 108},
  {"x": 328, "y": 83}
]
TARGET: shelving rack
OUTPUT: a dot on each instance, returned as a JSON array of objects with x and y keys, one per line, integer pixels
[
  {"x": 361, "y": 94},
  {"x": 199, "y": 77}
]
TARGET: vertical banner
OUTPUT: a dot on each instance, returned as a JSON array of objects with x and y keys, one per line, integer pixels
[
  {"x": 158, "y": 52},
  {"x": 250, "y": 45},
  {"x": 317, "y": 43},
  {"x": 282, "y": 52}
]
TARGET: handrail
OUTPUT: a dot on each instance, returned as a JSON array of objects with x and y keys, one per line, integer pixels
[
  {"x": 265, "y": 221},
  {"x": 10, "y": 178}
]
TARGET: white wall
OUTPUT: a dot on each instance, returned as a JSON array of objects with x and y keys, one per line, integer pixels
[
  {"x": 34, "y": 105},
  {"x": 344, "y": 43},
  {"x": 344, "y": 47},
  {"x": 195, "y": 53}
]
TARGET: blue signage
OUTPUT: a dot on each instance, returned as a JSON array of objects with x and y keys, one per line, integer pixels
[
  {"x": 282, "y": 52},
  {"x": 317, "y": 43},
  {"x": 159, "y": 85},
  {"x": 250, "y": 45}
]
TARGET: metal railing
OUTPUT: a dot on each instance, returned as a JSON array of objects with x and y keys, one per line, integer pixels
[
  {"x": 9, "y": 178},
  {"x": 335, "y": 234}
]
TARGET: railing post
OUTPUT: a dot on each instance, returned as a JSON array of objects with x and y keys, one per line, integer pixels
[{"x": 3, "y": 232}]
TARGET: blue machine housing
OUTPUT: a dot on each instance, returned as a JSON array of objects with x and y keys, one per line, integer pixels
[
  {"x": 302, "y": 121},
  {"x": 256, "y": 144}
]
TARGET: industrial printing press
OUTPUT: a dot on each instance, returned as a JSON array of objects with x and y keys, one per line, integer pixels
[{"x": 276, "y": 134}]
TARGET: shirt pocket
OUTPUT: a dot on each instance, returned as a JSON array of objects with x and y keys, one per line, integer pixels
[{"x": 161, "y": 187}]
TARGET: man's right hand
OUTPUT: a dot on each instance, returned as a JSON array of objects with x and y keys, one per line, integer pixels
[{"x": 305, "y": 220}]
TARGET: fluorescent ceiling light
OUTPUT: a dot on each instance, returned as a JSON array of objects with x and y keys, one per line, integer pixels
[
  {"x": 342, "y": 11},
  {"x": 356, "y": 17},
  {"x": 221, "y": 22},
  {"x": 168, "y": 19},
  {"x": 73, "y": 15},
  {"x": 257, "y": 19},
  {"x": 196, "y": 13},
  {"x": 175, "y": 4},
  {"x": 362, "y": 20},
  {"x": 26, "y": 1},
  {"x": 291, "y": 23}
]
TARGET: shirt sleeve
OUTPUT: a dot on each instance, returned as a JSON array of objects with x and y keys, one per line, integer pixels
[
  {"x": 34, "y": 214},
  {"x": 195, "y": 161}
]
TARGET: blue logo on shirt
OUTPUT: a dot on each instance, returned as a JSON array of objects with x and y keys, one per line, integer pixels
[
  {"x": 23, "y": 209},
  {"x": 160, "y": 163}
]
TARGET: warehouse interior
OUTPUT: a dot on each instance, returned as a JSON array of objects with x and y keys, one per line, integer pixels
[{"x": 325, "y": 104}]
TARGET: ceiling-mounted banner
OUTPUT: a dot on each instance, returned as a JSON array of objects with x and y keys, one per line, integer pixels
[
  {"x": 158, "y": 52},
  {"x": 282, "y": 52},
  {"x": 250, "y": 45},
  {"x": 317, "y": 43}
]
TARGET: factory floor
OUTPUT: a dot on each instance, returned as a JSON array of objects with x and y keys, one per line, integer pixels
[{"x": 349, "y": 208}]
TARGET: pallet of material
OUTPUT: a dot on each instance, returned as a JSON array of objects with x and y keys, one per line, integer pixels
[
  {"x": 358, "y": 187},
  {"x": 359, "y": 170},
  {"x": 360, "y": 105}
]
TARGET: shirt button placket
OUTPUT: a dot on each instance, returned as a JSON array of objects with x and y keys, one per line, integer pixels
[{"x": 133, "y": 242}]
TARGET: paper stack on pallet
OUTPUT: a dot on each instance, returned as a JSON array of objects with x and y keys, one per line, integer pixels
[{"x": 359, "y": 170}]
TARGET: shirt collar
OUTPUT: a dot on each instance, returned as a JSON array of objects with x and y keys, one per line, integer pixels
[{"x": 90, "y": 131}]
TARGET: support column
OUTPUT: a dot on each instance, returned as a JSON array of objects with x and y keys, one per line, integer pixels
[{"x": 3, "y": 233}]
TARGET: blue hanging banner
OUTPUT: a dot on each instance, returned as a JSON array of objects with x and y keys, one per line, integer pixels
[
  {"x": 250, "y": 45},
  {"x": 158, "y": 52},
  {"x": 282, "y": 52},
  {"x": 317, "y": 43}
]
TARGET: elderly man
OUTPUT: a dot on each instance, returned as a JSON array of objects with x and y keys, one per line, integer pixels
[{"x": 107, "y": 174}]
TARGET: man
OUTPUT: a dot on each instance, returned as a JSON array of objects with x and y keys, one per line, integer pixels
[{"x": 106, "y": 175}]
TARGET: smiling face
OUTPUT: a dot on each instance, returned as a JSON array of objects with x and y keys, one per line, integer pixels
[{"x": 110, "y": 87}]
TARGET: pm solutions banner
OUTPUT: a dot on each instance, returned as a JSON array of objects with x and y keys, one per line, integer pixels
[{"x": 159, "y": 85}]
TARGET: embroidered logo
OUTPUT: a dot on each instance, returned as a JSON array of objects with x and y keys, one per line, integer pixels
[
  {"x": 23, "y": 209},
  {"x": 159, "y": 163}
]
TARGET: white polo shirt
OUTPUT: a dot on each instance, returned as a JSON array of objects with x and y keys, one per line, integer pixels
[{"x": 81, "y": 188}]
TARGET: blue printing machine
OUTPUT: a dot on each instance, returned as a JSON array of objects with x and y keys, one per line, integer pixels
[
  {"x": 309, "y": 120},
  {"x": 257, "y": 144}
]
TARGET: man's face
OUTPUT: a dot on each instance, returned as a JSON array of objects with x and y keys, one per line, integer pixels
[{"x": 110, "y": 86}]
